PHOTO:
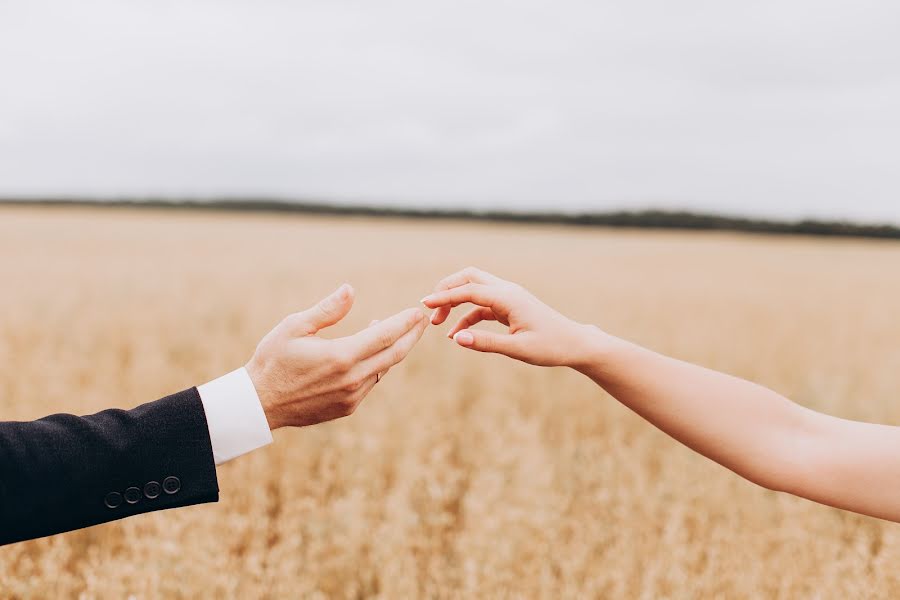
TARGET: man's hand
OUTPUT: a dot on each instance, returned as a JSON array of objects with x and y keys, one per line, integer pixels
[
  {"x": 537, "y": 334},
  {"x": 302, "y": 379}
]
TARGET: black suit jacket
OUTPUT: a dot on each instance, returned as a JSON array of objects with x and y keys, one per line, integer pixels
[{"x": 64, "y": 472}]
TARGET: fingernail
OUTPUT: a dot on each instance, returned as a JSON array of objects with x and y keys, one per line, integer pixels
[
  {"x": 463, "y": 338},
  {"x": 433, "y": 315},
  {"x": 424, "y": 298}
]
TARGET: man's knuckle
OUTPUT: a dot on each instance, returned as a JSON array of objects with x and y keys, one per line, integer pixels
[
  {"x": 354, "y": 382},
  {"x": 385, "y": 340},
  {"x": 347, "y": 405},
  {"x": 340, "y": 360},
  {"x": 292, "y": 320}
]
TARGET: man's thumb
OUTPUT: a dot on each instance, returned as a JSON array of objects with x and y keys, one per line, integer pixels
[{"x": 329, "y": 310}]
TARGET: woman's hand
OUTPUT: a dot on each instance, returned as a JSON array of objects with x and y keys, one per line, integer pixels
[
  {"x": 537, "y": 334},
  {"x": 753, "y": 431}
]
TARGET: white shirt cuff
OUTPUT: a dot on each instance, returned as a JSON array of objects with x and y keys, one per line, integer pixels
[{"x": 234, "y": 415}]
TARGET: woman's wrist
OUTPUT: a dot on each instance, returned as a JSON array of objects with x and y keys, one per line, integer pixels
[{"x": 593, "y": 349}]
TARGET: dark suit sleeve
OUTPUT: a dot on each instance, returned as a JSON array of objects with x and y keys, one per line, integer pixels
[{"x": 64, "y": 472}]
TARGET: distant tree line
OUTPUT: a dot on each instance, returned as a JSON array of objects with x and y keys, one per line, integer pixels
[{"x": 644, "y": 219}]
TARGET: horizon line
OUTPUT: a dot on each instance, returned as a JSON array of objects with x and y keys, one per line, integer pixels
[{"x": 648, "y": 218}]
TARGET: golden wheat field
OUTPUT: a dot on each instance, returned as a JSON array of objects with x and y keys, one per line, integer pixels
[{"x": 462, "y": 475}]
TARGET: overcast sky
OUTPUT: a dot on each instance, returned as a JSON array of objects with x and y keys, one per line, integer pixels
[{"x": 782, "y": 108}]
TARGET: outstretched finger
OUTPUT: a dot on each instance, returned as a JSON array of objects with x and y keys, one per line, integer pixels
[
  {"x": 387, "y": 358},
  {"x": 488, "y": 296},
  {"x": 474, "y": 316},
  {"x": 385, "y": 372},
  {"x": 467, "y": 275},
  {"x": 383, "y": 334}
]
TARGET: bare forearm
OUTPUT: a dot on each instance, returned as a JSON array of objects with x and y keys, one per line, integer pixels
[
  {"x": 744, "y": 427},
  {"x": 749, "y": 429},
  {"x": 754, "y": 431}
]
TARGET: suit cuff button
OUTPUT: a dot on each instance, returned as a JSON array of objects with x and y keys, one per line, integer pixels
[
  {"x": 132, "y": 495},
  {"x": 152, "y": 490},
  {"x": 171, "y": 485},
  {"x": 113, "y": 500}
]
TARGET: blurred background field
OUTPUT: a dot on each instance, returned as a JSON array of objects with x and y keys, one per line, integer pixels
[{"x": 462, "y": 475}]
